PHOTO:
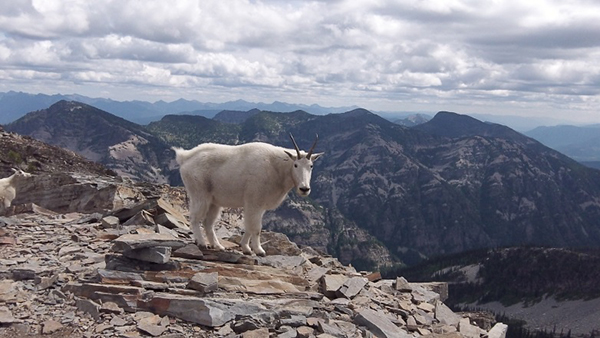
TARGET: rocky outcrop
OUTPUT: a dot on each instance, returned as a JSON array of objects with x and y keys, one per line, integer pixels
[{"x": 134, "y": 271}]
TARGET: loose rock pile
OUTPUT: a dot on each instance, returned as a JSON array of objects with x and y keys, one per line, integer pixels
[{"x": 135, "y": 272}]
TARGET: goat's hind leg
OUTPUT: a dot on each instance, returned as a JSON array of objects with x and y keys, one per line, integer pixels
[
  {"x": 198, "y": 211},
  {"x": 211, "y": 217}
]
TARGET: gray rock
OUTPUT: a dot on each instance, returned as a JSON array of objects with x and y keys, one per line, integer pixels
[
  {"x": 45, "y": 282},
  {"x": 204, "y": 282},
  {"x": 352, "y": 287},
  {"x": 110, "y": 222},
  {"x": 402, "y": 285},
  {"x": 411, "y": 323},
  {"x": 378, "y": 323},
  {"x": 130, "y": 242},
  {"x": 258, "y": 333},
  {"x": 206, "y": 312},
  {"x": 423, "y": 318},
  {"x": 65, "y": 250},
  {"x": 151, "y": 325},
  {"x": 189, "y": 251},
  {"x": 115, "y": 276},
  {"x": 287, "y": 332},
  {"x": 293, "y": 321},
  {"x": 140, "y": 219},
  {"x": 51, "y": 326},
  {"x": 118, "y": 321},
  {"x": 330, "y": 284},
  {"x": 89, "y": 306},
  {"x": 330, "y": 329},
  {"x": 445, "y": 316},
  {"x": 164, "y": 230},
  {"x": 128, "y": 212},
  {"x": 282, "y": 262},
  {"x": 316, "y": 273},
  {"x": 420, "y": 294},
  {"x": 467, "y": 329},
  {"x": 6, "y": 316},
  {"x": 279, "y": 244},
  {"x": 166, "y": 213},
  {"x": 247, "y": 323},
  {"x": 24, "y": 273},
  {"x": 256, "y": 286},
  {"x": 498, "y": 331},
  {"x": 122, "y": 263},
  {"x": 305, "y": 332},
  {"x": 440, "y": 288},
  {"x": 156, "y": 286},
  {"x": 110, "y": 307},
  {"x": 170, "y": 221},
  {"x": 157, "y": 254}
]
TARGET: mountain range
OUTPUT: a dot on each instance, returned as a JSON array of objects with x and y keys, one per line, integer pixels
[
  {"x": 581, "y": 143},
  {"x": 14, "y": 105},
  {"x": 382, "y": 192}
]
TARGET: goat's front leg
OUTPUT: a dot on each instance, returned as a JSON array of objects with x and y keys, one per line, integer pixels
[{"x": 252, "y": 225}]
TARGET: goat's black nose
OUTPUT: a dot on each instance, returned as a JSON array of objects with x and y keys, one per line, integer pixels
[{"x": 305, "y": 189}]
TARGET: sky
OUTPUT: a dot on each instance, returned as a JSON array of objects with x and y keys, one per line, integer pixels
[{"x": 534, "y": 58}]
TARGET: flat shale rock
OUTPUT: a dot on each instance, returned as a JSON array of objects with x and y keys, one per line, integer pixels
[
  {"x": 51, "y": 326},
  {"x": 204, "y": 282},
  {"x": 378, "y": 323},
  {"x": 189, "y": 251},
  {"x": 205, "y": 312},
  {"x": 122, "y": 274},
  {"x": 6, "y": 316},
  {"x": 130, "y": 242},
  {"x": 157, "y": 254}
]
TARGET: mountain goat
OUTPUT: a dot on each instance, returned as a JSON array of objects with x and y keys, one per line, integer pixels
[
  {"x": 256, "y": 176},
  {"x": 8, "y": 190}
]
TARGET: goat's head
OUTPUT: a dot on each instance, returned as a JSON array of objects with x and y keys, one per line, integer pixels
[
  {"x": 20, "y": 173},
  {"x": 302, "y": 167}
]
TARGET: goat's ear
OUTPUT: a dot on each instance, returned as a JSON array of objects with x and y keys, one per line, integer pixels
[
  {"x": 293, "y": 157},
  {"x": 314, "y": 157},
  {"x": 15, "y": 170}
]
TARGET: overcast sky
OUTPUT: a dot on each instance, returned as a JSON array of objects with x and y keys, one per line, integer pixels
[{"x": 513, "y": 57}]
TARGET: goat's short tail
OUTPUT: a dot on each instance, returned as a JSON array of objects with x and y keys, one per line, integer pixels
[{"x": 179, "y": 154}]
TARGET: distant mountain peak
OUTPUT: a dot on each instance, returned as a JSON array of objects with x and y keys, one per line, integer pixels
[
  {"x": 357, "y": 112},
  {"x": 448, "y": 116},
  {"x": 453, "y": 125}
]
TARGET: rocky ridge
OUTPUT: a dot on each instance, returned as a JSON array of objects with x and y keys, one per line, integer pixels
[
  {"x": 123, "y": 146},
  {"x": 132, "y": 270}
]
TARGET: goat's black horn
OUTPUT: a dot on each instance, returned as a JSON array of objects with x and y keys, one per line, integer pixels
[
  {"x": 313, "y": 147},
  {"x": 295, "y": 145}
]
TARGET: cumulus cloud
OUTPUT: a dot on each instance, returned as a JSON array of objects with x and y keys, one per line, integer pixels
[{"x": 533, "y": 56}]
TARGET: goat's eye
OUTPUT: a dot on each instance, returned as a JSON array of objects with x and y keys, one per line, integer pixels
[{"x": 295, "y": 165}]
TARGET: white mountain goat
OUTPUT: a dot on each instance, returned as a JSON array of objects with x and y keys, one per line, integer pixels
[
  {"x": 8, "y": 190},
  {"x": 256, "y": 176}
]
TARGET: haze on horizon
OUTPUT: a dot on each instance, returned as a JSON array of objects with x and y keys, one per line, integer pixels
[{"x": 531, "y": 59}]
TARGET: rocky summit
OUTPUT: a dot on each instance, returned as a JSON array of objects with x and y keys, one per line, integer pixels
[{"x": 126, "y": 266}]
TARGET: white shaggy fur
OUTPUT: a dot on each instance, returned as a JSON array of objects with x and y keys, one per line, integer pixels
[
  {"x": 8, "y": 190},
  {"x": 256, "y": 176}
]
